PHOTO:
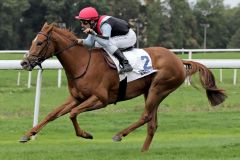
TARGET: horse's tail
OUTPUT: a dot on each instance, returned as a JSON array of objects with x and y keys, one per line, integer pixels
[{"x": 214, "y": 94}]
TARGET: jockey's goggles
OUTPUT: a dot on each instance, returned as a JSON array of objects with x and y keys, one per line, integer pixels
[{"x": 84, "y": 22}]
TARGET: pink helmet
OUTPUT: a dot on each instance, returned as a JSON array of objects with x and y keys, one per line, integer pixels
[{"x": 88, "y": 13}]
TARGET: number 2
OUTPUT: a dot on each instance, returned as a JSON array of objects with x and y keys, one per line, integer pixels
[{"x": 146, "y": 59}]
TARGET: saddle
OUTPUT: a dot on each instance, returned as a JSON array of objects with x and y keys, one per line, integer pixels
[
  {"x": 140, "y": 61},
  {"x": 109, "y": 60}
]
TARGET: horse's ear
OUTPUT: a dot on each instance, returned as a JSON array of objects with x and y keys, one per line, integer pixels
[
  {"x": 54, "y": 24},
  {"x": 45, "y": 24},
  {"x": 47, "y": 27}
]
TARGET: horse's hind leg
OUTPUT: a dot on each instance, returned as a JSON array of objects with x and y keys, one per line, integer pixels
[
  {"x": 151, "y": 129},
  {"x": 155, "y": 97},
  {"x": 61, "y": 110},
  {"x": 153, "y": 100}
]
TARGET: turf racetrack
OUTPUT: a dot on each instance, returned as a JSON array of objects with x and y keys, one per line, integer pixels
[{"x": 189, "y": 129}]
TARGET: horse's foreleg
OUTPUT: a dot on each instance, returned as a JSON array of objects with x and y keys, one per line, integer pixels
[
  {"x": 92, "y": 103},
  {"x": 61, "y": 110}
]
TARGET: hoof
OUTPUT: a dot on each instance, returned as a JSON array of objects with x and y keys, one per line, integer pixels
[
  {"x": 24, "y": 139},
  {"x": 89, "y": 136},
  {"x": 86, "y": 135},
  {"x": 144, "y": 149},
  {"x": 117, "y": 138}
]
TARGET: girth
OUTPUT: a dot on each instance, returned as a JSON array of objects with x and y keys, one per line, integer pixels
[{"x": 122, "y": 84}]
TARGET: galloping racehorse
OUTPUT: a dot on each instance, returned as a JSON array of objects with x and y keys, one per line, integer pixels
[{"x": 93, "y": 84}]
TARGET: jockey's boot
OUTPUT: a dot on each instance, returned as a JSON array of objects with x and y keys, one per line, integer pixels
[{"x": 126, "y": 67}]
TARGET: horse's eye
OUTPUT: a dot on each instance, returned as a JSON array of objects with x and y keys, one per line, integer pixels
[{"x": 39, "y": 43}]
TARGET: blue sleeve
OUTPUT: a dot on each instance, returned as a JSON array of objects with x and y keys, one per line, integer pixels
[
  {"x": 89, "y": 41},
  {"x": 106, "y": 30}
]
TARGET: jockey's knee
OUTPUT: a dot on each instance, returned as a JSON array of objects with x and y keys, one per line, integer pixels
[{"x": 111, "y": 49}]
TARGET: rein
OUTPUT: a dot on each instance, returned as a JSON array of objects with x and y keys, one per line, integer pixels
[
  {"x": 66, "y": 48},
  {"x": 47, "y": 45},
  {"x": 85, "y": 71},
  {"x": 42, "y": 56},
  {"x": 89, "y": 59}
]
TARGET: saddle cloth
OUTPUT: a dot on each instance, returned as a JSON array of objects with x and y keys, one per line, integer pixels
[{"x": 139, "y": 60}]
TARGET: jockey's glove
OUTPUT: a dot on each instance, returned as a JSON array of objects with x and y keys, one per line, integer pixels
[
  {"x": 80, "y": 41},
  {"x": 90, "y": 31}
]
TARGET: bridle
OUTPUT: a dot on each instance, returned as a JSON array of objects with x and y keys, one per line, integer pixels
[{"x": 43, "y": 52}]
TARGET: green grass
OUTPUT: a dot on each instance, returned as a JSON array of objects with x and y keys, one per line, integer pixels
[
  {"x": 189, "y": 128},
  {"x": 181, "y": 135},
  {"x": 11, "y": 56}
]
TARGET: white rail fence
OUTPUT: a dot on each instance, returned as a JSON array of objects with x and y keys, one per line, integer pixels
[
  {"x": 183, "y": 51},
  {"x": 55, "y": 64},
  {"x": 191, "y": 51}
]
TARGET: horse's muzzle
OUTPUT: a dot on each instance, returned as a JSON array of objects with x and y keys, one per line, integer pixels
[{"x": 26, "y": 65}]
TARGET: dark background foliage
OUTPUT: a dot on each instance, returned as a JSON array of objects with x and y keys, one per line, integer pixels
[{"x": 169, "y": 23}]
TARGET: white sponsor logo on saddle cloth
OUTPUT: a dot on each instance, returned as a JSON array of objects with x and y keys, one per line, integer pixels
[{"x": 139, "y": 60}]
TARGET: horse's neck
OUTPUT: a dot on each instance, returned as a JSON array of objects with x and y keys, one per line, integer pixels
[{"x": 74, "y": 60}]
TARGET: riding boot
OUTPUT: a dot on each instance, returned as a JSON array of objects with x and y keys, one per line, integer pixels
[{"x": 126, "y": 67}]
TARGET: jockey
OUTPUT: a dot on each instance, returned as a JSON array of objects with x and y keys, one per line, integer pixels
[{"x": 109, "y": 32}]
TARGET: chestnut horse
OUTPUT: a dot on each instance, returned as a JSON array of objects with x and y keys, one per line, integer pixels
[{"x": 93, "y": 84}]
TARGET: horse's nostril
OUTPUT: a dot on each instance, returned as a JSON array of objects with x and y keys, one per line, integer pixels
[{"x": 24, "y": 63}]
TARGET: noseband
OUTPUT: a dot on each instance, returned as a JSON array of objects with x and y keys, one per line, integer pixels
[{"x": 42, "y": 54}]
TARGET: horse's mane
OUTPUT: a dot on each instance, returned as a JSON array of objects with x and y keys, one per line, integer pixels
[{"x": 64, "y": 31}]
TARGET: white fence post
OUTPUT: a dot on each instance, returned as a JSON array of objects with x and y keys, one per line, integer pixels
[
  {"x": 18, "y": 78},
  {"x": 59, "y": 78},
  {"x": 187, "y": 79},
  {"x": 190, "y": 54},
  {"x": 221, "y": 75},
  {"x": 235, "y": 77},
  {"x": 29, "y": 79}
]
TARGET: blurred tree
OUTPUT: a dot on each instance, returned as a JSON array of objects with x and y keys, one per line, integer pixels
[
  {"x": 211, "y": 12},
  {"x": 129, "y": 10},
  {"x": 182, "y": 23},
  {"x": 156, "y": 24},
  {"x": 235, "y": 40},
  {"x": 169, "y": 23},
  {"x": 233, "y": 23},
  {"x": 125, "y": 9},
  {"x": 10, "y": 19},
  {"x": 33, "y": 20}
]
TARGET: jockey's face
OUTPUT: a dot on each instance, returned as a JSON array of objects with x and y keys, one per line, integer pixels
[
  {"x": 85, "y": 24},
  {"x": 88, "y": 24}
]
